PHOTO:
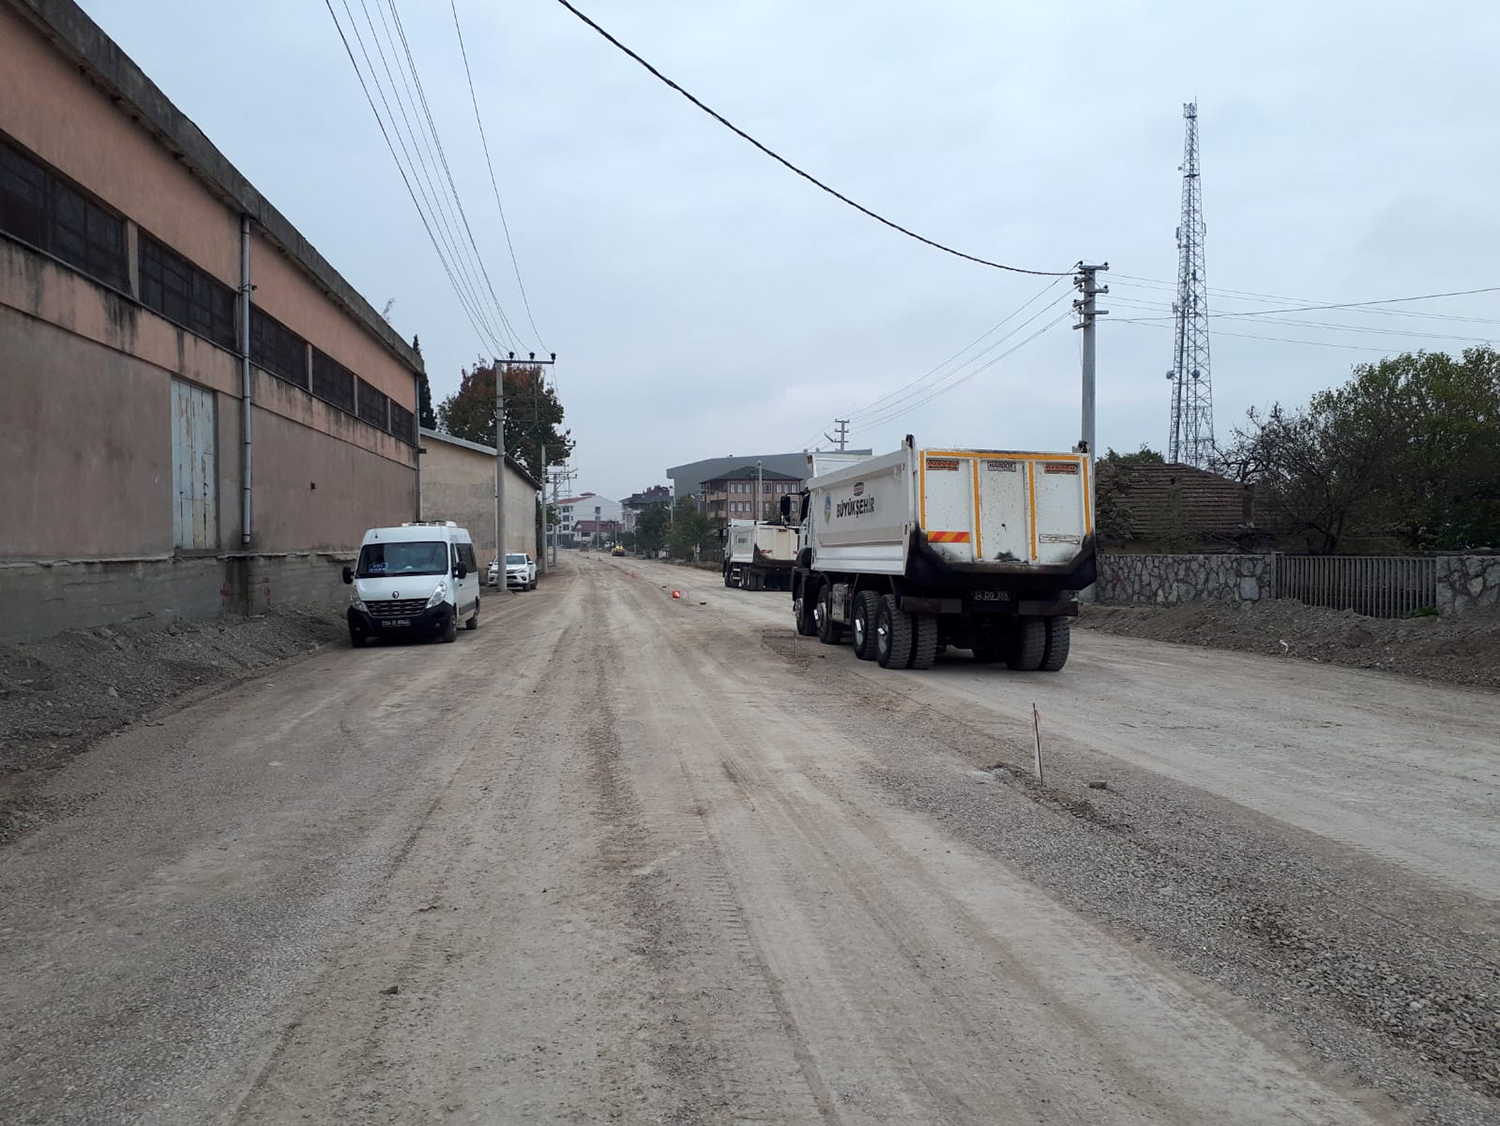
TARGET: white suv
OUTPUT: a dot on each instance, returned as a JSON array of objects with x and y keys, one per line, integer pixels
[{"x": 520, "y": 571}]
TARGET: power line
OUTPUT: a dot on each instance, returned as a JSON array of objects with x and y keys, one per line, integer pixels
[
  {"x": 868, "y": 408},
  {"x": 405, "y": 179},
  {"x": 1276, "y": 339},
  {"x": 493, "y": 183},
  {"x": 898, "y": 411},
  {"x": 779, "y": 159},
  {"x": 1359, "y": 306},
  {"x": 440, "y": 210},
  {"x": 448, "y": 172}
]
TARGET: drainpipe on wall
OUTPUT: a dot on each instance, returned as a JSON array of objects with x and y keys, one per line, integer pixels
[{"x": 245, "y": 421}]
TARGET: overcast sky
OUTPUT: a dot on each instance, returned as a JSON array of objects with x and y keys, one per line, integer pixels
[{"x": 703, "y": 301}]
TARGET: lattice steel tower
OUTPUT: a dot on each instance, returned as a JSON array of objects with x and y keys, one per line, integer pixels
[{"x": 1192, "y": 393}]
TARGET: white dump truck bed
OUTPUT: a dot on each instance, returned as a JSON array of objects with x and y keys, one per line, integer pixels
[
  {"x": 1002, "y": 511},
  {"x": 762, "y": 544}
]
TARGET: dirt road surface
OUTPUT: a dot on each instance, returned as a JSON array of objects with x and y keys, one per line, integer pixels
[{"x": 623, "y": 858}]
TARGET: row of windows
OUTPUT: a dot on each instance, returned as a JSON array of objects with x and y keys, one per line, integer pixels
[
  {"x": 772, "y": 487},
  {"x": 39, "y": 207}
]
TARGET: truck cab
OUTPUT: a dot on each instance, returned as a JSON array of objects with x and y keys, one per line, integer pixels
[{"x": 416, "y": 580}]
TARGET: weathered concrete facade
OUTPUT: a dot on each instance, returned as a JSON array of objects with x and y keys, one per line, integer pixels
[
  {"x": 122, "y": 338},
  {"x": 458, "y": 484}
]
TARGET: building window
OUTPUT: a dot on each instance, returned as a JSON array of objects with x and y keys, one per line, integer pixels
[
  {"x": 403, "y": 424},
  {"x": 373, "y": 406},
  {"x": 179, "y": 291},
  {"x": 332, "y": 382},
  {"x": 277, "y": 348},
  {"x": 40, "y": 208}
]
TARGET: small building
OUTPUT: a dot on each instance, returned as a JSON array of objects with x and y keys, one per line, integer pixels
[
  {"x": 1173, "y": 507},
  {"x": 747, "y": 493},
  {"x": 204, "y": 415},
  {"x": 585, "y": 506},
  {"x": 596, "y": 533},
  {"x": 458, "y": 484},
  {"x": 636, "y": 503}
]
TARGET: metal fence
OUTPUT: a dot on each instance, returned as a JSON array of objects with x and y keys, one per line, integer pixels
[{"x": 1379, "y": 586}]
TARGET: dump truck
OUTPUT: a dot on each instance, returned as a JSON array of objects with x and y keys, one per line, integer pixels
[
  {"x": 760, "y": 556},
  {"x": 922, "y": 549}
]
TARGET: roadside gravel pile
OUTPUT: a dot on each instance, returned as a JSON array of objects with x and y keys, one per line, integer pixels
[
  {"x": 59, "y": 695},
  {"x": 1457, "y": 651}
]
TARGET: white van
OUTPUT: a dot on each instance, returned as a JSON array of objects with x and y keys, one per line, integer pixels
[{"x": 418, "y": 579}]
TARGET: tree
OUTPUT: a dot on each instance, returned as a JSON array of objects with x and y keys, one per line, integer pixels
[
  {"x": 532, "y": 414},
  {"x": 1143, "y": 456},
  {"x": 425, "y": 417},
  {"x": 651, "y": 528},
  {"x": 1115, "y": 519},
  {"x": 1409, "y": 447},
  {"x": 689, "y": 529}
]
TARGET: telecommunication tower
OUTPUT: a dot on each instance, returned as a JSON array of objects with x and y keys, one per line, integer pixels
[{"x": 1192, "y": 441}]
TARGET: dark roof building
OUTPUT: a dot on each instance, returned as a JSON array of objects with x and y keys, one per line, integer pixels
[{"x": 1173, "y": 506}]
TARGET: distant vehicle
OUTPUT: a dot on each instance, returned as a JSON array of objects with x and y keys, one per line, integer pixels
[
  {"x": 617, "y": 550},
  {"x": 492, "y": 573},
  {"x": 760, "y": 556},
  {"x": 919, "y": 549},
  {"x": 418, "y": 579},
  {"x": 520, "y": 571}
]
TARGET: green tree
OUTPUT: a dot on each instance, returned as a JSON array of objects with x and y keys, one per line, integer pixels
[
  {"x": 533, "y": 414},
  {"x": 1143, "y": 456},
  {"x": 1409, "y": 447},
  {"x": 651, "y": 528},
  {"x": 1114, "y": 517},
  {"x": 425, "y": 416},
  {"x": 689, "y": 529}
]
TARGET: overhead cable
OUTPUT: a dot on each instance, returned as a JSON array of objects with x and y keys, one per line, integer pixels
[{"x": 779, "y": 159}]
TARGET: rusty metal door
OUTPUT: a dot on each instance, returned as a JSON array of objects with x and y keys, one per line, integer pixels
[{"x": 195, "y": 490}]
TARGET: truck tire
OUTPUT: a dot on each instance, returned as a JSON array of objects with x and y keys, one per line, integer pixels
[
  {"x": 726, "y": 577},
  {"x": 924, "y": 637},
  {"x": 892, "y": 635},
  {"x": 802, "y": 613},
  {"x": 1059, "y": 635},
  {"x": 1028, "y": 645},
  {"x": 830, "y": 632},
  {"x": 866, "y": 606}
]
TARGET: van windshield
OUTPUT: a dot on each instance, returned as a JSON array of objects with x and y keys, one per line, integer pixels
[{"x": 419, "y": 557}]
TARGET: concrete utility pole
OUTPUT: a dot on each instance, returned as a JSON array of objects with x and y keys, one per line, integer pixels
[
  {"x": 501, "y": 368},
  {"x": 1088, "y": 313},
  {"x": 843, "y": 438},
  {"x": 541, "y": 548},
  {"x": 760, "y": 487}
]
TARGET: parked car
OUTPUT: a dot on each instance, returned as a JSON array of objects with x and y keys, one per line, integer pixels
[
  {"x": 492, "y": 574},
  {"x": 520, "y": 571},
  {"x": 418, "y": 579}
]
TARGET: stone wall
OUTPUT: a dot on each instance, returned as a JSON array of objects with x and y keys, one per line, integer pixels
[
  {"x": 1466, "y": 583},
  {"x": 1166, "y": 580}
]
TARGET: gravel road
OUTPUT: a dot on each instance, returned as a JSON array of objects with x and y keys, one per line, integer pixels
[{"x": 620, "y": 857}]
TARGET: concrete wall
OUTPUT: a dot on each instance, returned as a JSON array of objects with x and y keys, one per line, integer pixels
[
  {"x": 458, "y": 484},
  {"x": 86, "y": 514},
  {"x": 1466, "y": 583},
  {"x": 1170, "y": 579}
]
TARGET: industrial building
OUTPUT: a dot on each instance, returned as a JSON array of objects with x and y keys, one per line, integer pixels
[{"x": 205, "y": 416}]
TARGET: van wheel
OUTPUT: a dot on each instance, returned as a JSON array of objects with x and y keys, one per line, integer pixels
[
  {"x": 450, "y": 629},
  {"x": 473, "y": 622},
  {"x": 356, "y": 638}
]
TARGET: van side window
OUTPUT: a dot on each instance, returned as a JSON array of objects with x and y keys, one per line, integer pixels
[{"x": 466, "y": 557}]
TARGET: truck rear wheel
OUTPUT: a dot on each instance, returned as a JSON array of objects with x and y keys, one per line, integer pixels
[
  {"x": 866, "y": 606},
  {"x": 892, "y": 635},
  {"x": 1059, "y": 636},
  {"x": 924, "y": 636},
  {"x": 830, "y": 632},
  {"x": 803, "y": 614},
  {"x": 1028, "y": 645}
]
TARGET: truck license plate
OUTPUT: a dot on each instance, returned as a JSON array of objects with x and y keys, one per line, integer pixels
[{"x": 992, "y": 596}]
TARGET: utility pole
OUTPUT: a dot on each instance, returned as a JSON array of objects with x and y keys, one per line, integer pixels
[
  {"x": 760, "y": 487},
  {"x": 1087, "y": 283},
  {"x": 502, "y": 367},
  {"x": 842, "y": 424},
  {"x": 541, "y": 548}
]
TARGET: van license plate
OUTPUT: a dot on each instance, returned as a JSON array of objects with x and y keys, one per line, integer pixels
[
  {"x": 396, "y": 623},
  {"x": 992, "y": 596}
]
